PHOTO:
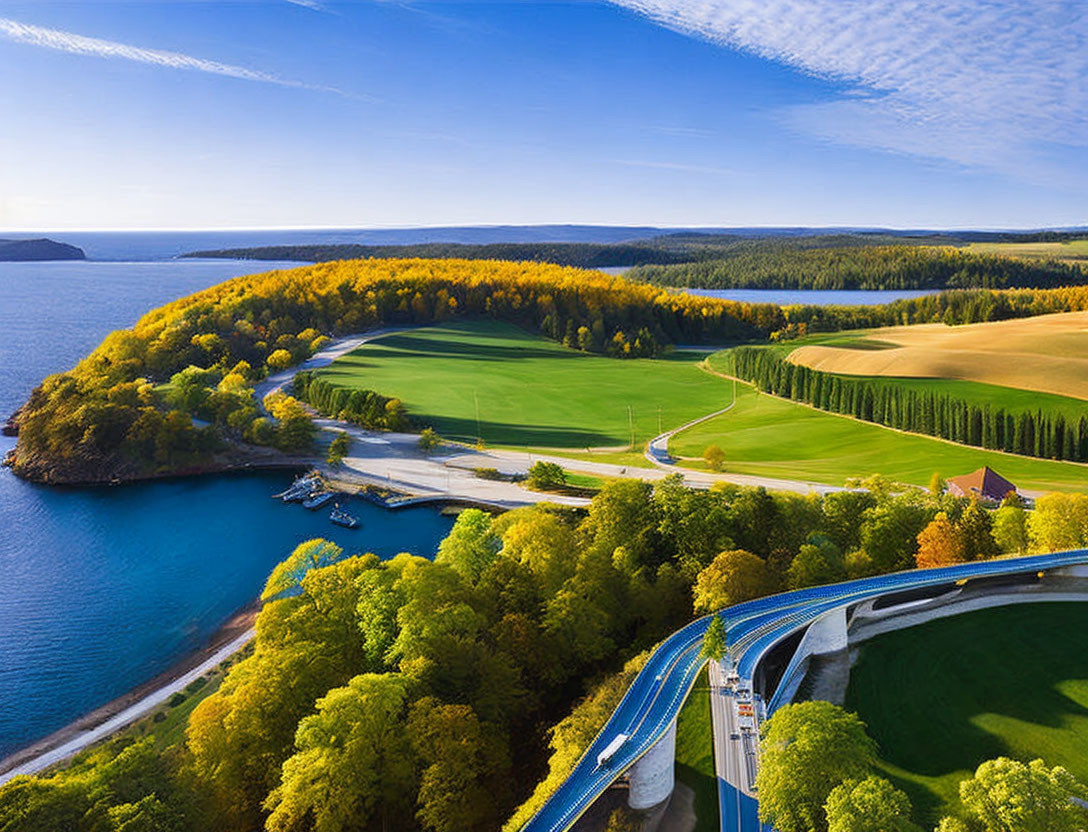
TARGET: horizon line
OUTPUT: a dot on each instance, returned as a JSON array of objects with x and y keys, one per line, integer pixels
[{"x": 438, "y": 226}]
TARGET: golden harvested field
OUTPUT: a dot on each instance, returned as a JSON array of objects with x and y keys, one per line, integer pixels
[
  {"x": 1048, "y": 353},
  {"x": 1074, "y": 251}
]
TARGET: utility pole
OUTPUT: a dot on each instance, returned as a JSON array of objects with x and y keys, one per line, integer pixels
[{"x": 479, "y": 433}]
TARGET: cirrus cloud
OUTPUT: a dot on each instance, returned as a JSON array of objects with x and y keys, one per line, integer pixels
[
  {"x": 997, "y": 83},
  {"x": 62, "y": 41}
]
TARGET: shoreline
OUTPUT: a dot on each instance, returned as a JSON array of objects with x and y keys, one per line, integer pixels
[{"x": 107, "y": 719}]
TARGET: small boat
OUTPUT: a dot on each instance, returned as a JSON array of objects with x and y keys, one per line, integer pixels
[
  {"x": 342, "y": 518},
  {"x": 300, "y": 489},
  {"x": 317, "y": 500}
]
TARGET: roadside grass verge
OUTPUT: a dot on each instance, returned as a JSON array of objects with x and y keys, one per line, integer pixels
[
  {"x": 695, "y": 754},
  {"x": 942, "y": 697},
  {"x": 767, "y": 436}
]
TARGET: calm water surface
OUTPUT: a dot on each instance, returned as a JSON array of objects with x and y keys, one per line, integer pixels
[{"x": 101, "y": 589}]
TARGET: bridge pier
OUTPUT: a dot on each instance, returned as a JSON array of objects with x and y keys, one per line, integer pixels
[
  {"x": 651, "y": 779},
  {"x": 827, "y": 634}
]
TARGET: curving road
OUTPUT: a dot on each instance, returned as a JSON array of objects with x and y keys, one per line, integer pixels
[{"x": 658, "y": 692}]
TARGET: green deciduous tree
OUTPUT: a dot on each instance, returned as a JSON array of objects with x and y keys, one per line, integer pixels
[
  {"x": 546, "y": 476},
  {"x": 338, "y": 448},
  {"x": 471, "y": 546},
  {"x": 429, "y": 440},
  {"x": 1009, "y": 796},
  {"x": 1011, "y": 530},
  {"x": 714, "y": 457},
  {"x": 807, "y": 750},
  {"x": 818, "y": 562},
  {"x": 465, "y": 767},
  {"x": 732, "y": 577},
  {"x": 1059, "y": 521},
  {"x": 352, "y": 768},
  {"x": 288, "y": 574},
  {"x": 715, "y": 640},
  {"x": 869, "y": 805}
]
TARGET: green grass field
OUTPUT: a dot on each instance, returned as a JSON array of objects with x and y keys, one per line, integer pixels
[
  {"x": 943, "y": 697},
  {"x": 530, "y": 392},
  {"x": 764, "y": 435},
  {"x": 695, "y": 754}
]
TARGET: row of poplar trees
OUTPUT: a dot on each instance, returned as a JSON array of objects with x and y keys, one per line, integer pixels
[{"x": 1038, "y": 434}]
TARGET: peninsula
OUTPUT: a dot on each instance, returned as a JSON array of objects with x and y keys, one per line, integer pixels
[{"x": 38, "y": 249}]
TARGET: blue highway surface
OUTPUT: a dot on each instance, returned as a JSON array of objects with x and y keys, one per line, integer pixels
[{"x": 658, "y": 692}]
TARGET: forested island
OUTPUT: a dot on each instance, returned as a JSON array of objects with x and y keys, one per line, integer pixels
[
  {"x": 582, "y": 255},
  {"x": 775, "y": 265},
  {"x": 127, "y": 410},
  {"x": 721, "y": 261},
  {"x": 40, "y": 249}
]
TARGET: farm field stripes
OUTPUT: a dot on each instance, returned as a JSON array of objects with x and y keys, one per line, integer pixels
[
  {"x": 519, "y": 389},
  {"x": 1048, "y": 353},
  {"x": 768, "y": 436}
]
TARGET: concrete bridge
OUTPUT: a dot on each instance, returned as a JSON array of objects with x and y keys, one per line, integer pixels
[{"x": 774, "y": 643}]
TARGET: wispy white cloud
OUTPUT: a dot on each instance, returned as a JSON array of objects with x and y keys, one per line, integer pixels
[
  {"x": 979, "y": 82},
  {"x": 309, "y": 4},
  {"x": 62, "y": 41}
]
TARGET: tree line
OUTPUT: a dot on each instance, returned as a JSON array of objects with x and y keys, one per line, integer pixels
[
  {"x": 945, "y": 415},
  {"x": 581, "y": 255},
  {"x": 366, "y": 408},
  {"x": 751, "y": 266}
]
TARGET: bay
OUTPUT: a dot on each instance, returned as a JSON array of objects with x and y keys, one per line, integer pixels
[{"x": 101, "y": 589}]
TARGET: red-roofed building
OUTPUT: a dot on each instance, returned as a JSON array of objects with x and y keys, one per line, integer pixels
[{"x": 985, "y": 483}]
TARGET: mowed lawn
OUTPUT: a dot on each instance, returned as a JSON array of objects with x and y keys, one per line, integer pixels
[
  {"x": 943, "y": 697},
  {"x": 695, "y": 754},
  {"x": 765, "y": 435},
  {"x": 526, "y": 390}
]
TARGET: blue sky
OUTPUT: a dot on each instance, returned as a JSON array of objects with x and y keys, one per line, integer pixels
[{"x": 903, "y": 113}]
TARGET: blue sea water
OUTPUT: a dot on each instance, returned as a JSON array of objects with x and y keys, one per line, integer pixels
[{"x": 101, "y": 589}]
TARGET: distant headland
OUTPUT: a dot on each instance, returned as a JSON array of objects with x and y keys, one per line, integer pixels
[{"x": 40, "y": 249}]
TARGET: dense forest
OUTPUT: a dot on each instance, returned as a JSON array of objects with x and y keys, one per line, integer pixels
[
  {"x": 128, "y": 409},
  {"x": 582, "y": 255},
  {"x": 779, "y": 266},
  {"x": 412, "y": 694},
  {"x": 886, "y": 403}
]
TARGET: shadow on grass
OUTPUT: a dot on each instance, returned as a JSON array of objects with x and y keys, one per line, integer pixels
[
  {"x": 922, "y": 692},
  {"x": 503, "y": 433}
]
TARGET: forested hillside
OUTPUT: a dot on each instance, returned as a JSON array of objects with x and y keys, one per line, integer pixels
[
  {"x": 417, "y": 695},
  {"x": 766, "y": 265},
  {"x": 126, "y": 410},
  {"x": 582, "y": 255}
]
